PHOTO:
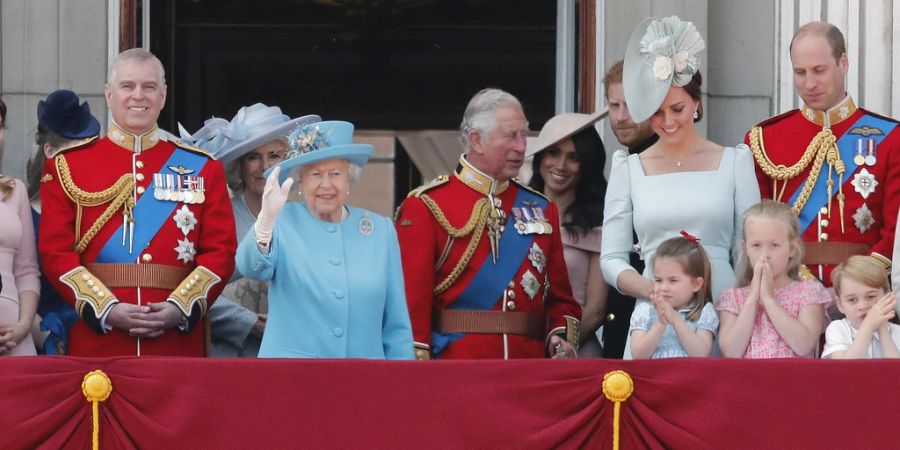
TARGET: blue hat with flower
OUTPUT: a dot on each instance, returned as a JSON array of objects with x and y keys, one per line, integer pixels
[
  {"x": 64, "y": 114},
  {"x": 661, "y": 53},
  {"x": 331, "y": 139}
]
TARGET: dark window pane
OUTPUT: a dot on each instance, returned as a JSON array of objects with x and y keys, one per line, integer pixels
[{"x": 380, "y": 64}]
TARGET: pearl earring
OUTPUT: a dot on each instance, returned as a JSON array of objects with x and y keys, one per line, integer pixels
[{"x": 696, "y": 115}]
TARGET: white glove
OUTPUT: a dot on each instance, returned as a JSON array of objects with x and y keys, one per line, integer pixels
[{"x": 273, "y": 199}]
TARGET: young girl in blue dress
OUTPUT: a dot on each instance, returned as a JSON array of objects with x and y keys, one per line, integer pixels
[{"x": 679, "y": 320}]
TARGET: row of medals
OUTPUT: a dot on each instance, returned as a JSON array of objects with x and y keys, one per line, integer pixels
[
  {"x": 179, "y": 188},
  {"x": 531, "y": 220}
]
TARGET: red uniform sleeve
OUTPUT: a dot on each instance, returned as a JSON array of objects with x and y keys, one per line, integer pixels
[
  {"x": 560, "y": 302},
  {"x": 57, "y": 232},
  {"x": 416, "y": 233},
  {"x": 217, "y": 244},
  {"x": 890, "y": 148}
]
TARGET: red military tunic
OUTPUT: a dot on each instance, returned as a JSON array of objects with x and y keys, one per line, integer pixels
[
  {"x": 869, "y": 213},
  {"x": 429, "y": 256},
  {"x": 189, "y": 279}
]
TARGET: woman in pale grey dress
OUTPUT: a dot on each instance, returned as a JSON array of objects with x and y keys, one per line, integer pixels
[
  {"x": 254, "y": 140},
  {"x": 683, "y": 181}
]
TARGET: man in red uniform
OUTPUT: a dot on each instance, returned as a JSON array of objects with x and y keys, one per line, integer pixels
[
  {"x": 482, "y": 255},
  {"x": 834, "y": 163},
  {"x": 138, "y": 232}
]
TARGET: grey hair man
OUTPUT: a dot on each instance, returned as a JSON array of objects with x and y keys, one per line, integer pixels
[{"x": 482, "y": 255}]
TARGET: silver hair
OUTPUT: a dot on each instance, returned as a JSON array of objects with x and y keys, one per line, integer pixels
[
  {"x": 234, "y": 173},
  {"x": 136, "y": 55},
  {"x": 353, "y": 170},
  {"x": 479, "y": 115}
]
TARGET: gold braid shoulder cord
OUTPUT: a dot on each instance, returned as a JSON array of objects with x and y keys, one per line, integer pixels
[
  {"x": 119, "y": 193},
  {"x": 821, "y": 146},
  {"x": 475, "y": 226}
]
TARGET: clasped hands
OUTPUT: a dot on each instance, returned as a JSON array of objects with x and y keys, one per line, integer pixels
[
  {"x": 144, "y": 321},
  {"x": 11, "y": 335}
]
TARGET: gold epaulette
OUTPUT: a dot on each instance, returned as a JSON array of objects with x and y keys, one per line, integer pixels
[
  {"x": 88, "y": 290},
  {"x": 570, "y": 333},
  {"x": 73, "y": 145},
  {"x": 529, "y": 189},
  {"x": 422, "y": 351},
  {"x": 439, "y": 181},
  {"x": 884, "y": 260},
  {"x": 777, "y": 118},
  {"x": 185, "y": 146},
  {"x": 193, "y": 290}
]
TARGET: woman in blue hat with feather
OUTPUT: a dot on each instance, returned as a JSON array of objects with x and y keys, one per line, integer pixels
[{"x": 335, "y": 280}]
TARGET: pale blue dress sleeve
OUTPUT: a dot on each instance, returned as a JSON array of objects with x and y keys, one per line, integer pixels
[
  {"x": 396, "y": 326},
  {"x": 746, "y": 192},
  {"x": 708, "y": 320},
  {"x": 253, "y": 263},
  {"x": 641, "y": 317},
  {"x": 617, "y": 239}
]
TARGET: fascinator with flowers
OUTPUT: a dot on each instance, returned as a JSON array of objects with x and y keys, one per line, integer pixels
[
  {"x": 662, "y": 52},
  {"x": 252, "y": 127},
  {"x": 322, "y": 141}
]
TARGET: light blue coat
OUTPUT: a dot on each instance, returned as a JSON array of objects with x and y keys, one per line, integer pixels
[{"x": 335, "y": 289}]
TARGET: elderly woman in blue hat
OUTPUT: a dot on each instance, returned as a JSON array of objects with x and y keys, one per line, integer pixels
[
  {"x": 336, "y": 284},
  {"x": 251, "y": 142},
  {"x": 64, "y": 122},
  {"x": 683, "y": 181}
]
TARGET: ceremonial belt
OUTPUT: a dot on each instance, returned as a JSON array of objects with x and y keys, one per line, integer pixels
[
  {"x": 833, "y": 253},
  {"x": 153, "y": 276},
  {"x": 489, "y": 322}
]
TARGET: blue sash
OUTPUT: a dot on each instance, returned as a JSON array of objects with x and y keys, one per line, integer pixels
[
  {"x": 491, "y": 280},
  {"x": 150, "y": 214},
  {"x": 847, "y": 149}
]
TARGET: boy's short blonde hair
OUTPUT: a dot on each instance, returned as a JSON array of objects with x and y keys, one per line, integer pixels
[{"x": 864, "y": 269}]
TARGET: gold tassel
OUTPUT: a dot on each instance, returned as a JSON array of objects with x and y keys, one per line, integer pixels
[
  {"x": 96, "y": 388},
  {"x": 617, "y": 387}
]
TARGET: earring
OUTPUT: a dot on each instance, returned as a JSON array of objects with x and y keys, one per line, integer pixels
[{"x": 696, "y": 115}]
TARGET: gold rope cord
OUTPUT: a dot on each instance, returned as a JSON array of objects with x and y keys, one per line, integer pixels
[
  {"x": 475, "y": 226},
  {"x": 822, "y": 145},
  {"x": 617, "y": 387},
  {"x": 119, "y": 194},
  {"x": 96, "y": 388}
]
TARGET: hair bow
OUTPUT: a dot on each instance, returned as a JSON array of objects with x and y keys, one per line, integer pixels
[{"x": 690, "y": 237}]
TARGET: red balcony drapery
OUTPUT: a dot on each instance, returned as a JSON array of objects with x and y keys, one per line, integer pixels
[{"x": 229, "y": 403}]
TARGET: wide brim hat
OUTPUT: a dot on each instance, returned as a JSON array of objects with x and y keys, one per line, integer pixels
[
  {"x": 252, "y": 127},
  {"x": 656, "y": 49},
  {"x": 562, "y": 126},
  {"x": 322, "y": 141},
  {"x": 63, "y": 113}
]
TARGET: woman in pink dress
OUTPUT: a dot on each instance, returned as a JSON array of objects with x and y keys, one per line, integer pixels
[
  {"x": 18, "y": 265},
  {"x": 568, "y": 169}
]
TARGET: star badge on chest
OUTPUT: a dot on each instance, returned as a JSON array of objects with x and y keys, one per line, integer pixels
[
  {"x": 530, "y": 284},
  {"x": 864, "y": 183},
  {"x": 185, "y": 250},
  {"x": 537, "y": 257},
  {"x": 863, "y": 218},
  {"x": 185, "y": 219}
]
